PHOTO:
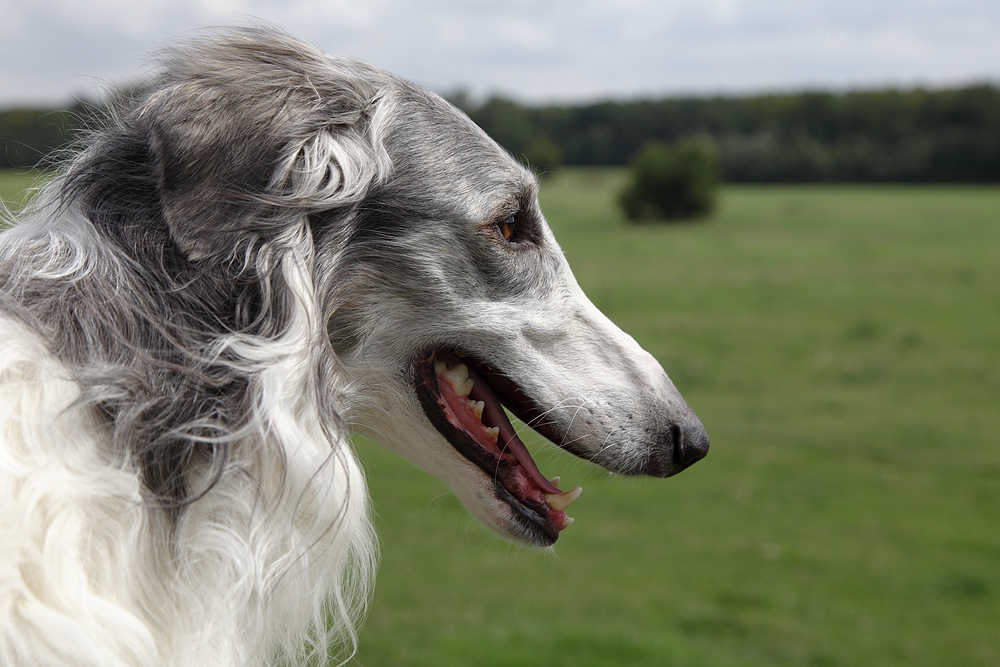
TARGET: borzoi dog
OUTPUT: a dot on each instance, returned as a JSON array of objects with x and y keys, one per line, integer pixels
[{"x": 265, "y": 249}]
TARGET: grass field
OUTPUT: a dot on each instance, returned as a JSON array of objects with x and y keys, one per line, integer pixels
[{"x": 842, "y": 347}]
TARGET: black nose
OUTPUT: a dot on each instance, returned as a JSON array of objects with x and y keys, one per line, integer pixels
[
  {"x": 690, "y": 445},
  {"x": 680, "y": 446}
]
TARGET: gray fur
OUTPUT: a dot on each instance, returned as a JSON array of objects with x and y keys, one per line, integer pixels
[
  {"x": 188, "y": 197},
  {"x": 258, "y": 185}
]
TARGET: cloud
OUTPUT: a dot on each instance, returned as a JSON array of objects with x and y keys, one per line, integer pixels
[{"x": 556, "y": 50}]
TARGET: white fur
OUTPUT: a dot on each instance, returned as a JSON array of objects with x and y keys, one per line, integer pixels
[{"x": 89, "y": 574}]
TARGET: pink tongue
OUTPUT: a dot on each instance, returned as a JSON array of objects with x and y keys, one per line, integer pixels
[{"x": 494, "y": 414}]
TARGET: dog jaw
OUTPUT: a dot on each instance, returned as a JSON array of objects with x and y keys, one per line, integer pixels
[
  {"x": 560, "y": 366},
  {"x": 446, "y": 386}
]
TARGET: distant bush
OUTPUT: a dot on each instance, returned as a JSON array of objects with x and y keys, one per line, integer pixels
[{"x": 671, "y": 182}]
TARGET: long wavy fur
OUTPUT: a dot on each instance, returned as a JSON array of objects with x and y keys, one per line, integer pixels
[{"x": 176, "y": 487}]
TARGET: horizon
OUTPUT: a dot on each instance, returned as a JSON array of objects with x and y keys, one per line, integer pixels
[{"x": 456, "y": 96}]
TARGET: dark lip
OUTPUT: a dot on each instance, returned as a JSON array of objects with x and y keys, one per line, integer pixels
[{"x": 531, "y": 516}]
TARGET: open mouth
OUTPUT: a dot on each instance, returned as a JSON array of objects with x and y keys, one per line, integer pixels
[{"x": 464, "y": 399}]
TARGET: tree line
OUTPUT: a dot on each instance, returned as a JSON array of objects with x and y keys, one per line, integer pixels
[
  {"x": 31, "y": 138},
  {"x": 879, "y": 136}
]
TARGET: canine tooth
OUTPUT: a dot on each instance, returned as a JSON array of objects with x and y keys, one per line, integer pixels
[
  {"x": 567, "y": 522},
  {"x": 476, "y": 407},
  {"x": 560, "y": 501},
  {"x": 493, "y": 432},
  {"x": 555, "y": 481},
  {"x": 440, "y": 367},
  {"x": 459, "y": 378}
]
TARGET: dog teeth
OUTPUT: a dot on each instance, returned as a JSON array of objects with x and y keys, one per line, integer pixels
[
  {"x": 555, "y": 481},
  {"x": 458, "y": 376},
  {"x": 493, "y": 432},
  {"x": 476, "y": 407},
  {"x": 560, "y": 501},
  {"x": 566, "y": 523}
]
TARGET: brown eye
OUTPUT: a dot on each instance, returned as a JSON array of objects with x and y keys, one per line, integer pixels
[{"x": 507, "y": 227}]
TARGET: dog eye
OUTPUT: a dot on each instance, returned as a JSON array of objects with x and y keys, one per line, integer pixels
[{"x": 507, "y": 227}]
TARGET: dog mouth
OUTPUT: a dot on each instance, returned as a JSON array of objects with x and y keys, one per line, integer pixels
[{"x": 464, "y": 400}]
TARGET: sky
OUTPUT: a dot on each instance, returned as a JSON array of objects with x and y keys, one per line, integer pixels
[{"x": 562, "y": 51}]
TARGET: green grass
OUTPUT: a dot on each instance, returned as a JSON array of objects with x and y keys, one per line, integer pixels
[
  {"x": 842, "y": 347},
  {"x": 15, "y": 188}
]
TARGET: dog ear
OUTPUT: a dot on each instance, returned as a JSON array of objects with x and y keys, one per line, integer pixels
[
  {"x": 246, "y": 134},
  {"x": 223, "y": 183},
  {"x": 204, "y": 183}
]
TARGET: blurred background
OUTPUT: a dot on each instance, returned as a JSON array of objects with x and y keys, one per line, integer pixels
[{"x": 832, "y": 314}]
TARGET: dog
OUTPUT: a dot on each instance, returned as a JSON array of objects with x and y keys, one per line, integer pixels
[{"x": 264, "y": 250}]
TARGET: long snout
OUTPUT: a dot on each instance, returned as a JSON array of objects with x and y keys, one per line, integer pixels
[{"x": 641, "y": 423}]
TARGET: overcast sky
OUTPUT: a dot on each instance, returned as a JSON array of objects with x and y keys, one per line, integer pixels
[{"x": 562, "y": 50}]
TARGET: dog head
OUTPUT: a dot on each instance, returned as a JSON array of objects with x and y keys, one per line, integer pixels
[
  {"x": 455, "y": 301},
  {"x": 288, "y": 181}
]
